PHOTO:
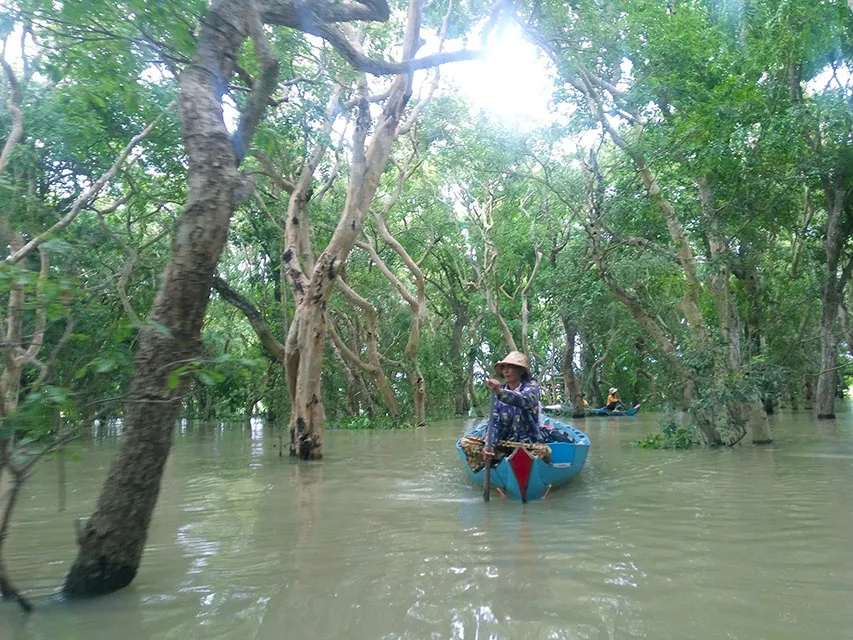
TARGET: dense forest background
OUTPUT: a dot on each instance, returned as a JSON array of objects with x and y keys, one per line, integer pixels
[
  {"x": 288, "y": 210},
  {"x": 679, "y": 229}
]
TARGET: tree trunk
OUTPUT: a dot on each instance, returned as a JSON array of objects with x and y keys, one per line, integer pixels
[
  {"x": 113, "y": 540},
  {"x": 472, "y": 358},
  {"x": 458, "y": 369},
  {"x": 748, "y": 413},
  {"x": 571, "y": 385},
  {"x": 305, "y": 341},
  {"x": 831, "y": 294},
  {"x": 825, "y": 395},
  {"x": 416, "y": 378},
  {"x": 352, "y": 404},
  {"x": 305, "y": 365}
]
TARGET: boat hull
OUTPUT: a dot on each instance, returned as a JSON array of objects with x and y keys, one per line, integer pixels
[
  {"x": 524, "y": 478},
  {"x": 602, "y": 411}
]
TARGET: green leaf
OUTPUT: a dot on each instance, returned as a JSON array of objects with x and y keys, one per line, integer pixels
[{"x": 174, "y": 378}]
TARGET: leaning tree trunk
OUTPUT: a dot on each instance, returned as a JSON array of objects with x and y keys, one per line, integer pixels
[{"x": 113, "y": 539}]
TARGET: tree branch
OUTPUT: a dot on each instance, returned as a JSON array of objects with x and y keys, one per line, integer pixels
[
  {"x": 86, "y": 196},
  {"x": 270, "y": 343},
  {"x": 16, "y": 132},
  {"x": 262, "y": 87}
]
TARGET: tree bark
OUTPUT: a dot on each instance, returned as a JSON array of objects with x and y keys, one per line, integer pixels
[
  {"x": 417, "y": 303},
  {"x": 373, "y": 366},
  {"x": 460, "y": 318},
  {"x": 831, "y": 295},
  {"x": 750, "y": 412},
  {"x": 571, "y": 384},
  {"x": 113, "y": 539},
  {"x": 305, "y": 341}
]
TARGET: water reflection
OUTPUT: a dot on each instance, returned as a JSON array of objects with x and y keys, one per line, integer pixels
[{"x": 386, "y": 539}]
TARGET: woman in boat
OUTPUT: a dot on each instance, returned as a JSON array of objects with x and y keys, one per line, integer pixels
[
  {"x": 613, "y": 400},
  {"x": 516, "y": 408}
]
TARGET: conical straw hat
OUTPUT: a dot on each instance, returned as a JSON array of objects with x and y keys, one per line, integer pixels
[{"x": 515, "y": 358}]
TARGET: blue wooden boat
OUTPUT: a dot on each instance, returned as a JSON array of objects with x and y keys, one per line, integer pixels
[
  {"x": 522, "y": 477},
  {"x": 602, "y": 411}
]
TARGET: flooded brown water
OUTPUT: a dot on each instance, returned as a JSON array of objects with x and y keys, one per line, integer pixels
[{"x": 385, "y": 539}]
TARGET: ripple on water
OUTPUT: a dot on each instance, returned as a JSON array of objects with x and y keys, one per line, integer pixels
[{"x": 387, "y": 539}]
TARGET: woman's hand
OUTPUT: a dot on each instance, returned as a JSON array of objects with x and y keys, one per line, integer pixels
[
  {"x": 494, "y": 385},
  {"x": 488, "y": 452}
]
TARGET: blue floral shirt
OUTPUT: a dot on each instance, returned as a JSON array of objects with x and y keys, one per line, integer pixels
[{"x": 516, "y": 414}]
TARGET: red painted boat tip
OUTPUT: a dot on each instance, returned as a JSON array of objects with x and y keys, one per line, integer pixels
[{"x": 521, "y": 463}]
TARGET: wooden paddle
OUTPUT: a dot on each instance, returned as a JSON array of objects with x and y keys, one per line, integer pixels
[{"x": 487, "y": 469}]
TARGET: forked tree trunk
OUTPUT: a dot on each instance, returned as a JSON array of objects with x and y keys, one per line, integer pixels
[
  {"x": 113, "y": 539},
  {"x": 307, "y": 332}
]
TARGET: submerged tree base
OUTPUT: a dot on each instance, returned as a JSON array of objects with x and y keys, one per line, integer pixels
[{"x": 671, "y": 437}]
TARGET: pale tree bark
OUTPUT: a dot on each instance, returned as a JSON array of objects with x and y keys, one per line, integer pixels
[
  {"x": 416, "y": 302},
  {"x": 586, "y": 82},
  {"x": 352, "y": 403},
  {"x": 666, "y": 345},
  {"x": 373, "y": 366},
  {"x": 311, "y": 287},
  {"x": 350, "y": 361},
  {"x": 455, "y": 288},
  {"x": 416, "y": 305},
  {"x": 473, "y": 335},
  {"x": 460, "y": 319},
  {"x": 525, "y": 290},
  {"x": 16, "y": 130},
  {"x": 486, "y": 277},
  {"x": 525, "y": 307}
]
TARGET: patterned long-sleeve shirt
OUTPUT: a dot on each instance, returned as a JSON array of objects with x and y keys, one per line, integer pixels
[{"x": 515, "y": 414}]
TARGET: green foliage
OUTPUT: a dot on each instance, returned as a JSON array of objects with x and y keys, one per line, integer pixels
[
  {"x": 367, "y": 422},
  {"x": 721, "y": 91},
  {"x": 671, "y": 435}
]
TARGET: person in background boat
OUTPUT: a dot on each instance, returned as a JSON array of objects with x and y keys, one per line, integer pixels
[
  {"x": 516, "y": 407},
  {"x": 614, "y": 402},
  {"x": 585, "y": 401}
]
